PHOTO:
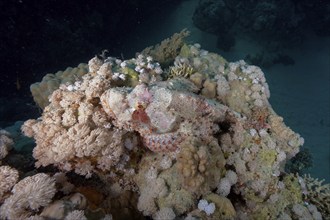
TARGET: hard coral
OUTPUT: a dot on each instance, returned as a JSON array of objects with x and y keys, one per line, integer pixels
[
  {"x": 181, "y": 70},
  {"x": 168, "y": 49},
  {"x": 318, "y": 194},
  {"x": 224, "y": 209},
  {"x": 199, "y": 169}
]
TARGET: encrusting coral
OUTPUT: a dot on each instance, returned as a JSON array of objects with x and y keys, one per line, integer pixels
[{"x": 167, "y": 136}]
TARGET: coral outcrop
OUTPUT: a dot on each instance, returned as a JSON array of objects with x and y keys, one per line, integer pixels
[
  {"x": 196, "y": 139},
  {"x": 50, "y": 82}
]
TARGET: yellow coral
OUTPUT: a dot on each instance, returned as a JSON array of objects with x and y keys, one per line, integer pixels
[
  {"x": 318, "y": 194},
  {"x": 181, "y": 70},
  {"x": 224, "y": 208},
  {"x": 200, "y": 166},
  {"x": 168, "y": 49}
]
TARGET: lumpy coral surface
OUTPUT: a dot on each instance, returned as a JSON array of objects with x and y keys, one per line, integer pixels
[{"x": 199, "y": 128}]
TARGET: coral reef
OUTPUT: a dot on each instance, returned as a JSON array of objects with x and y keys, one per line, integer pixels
[
  {"x": 50, "y": 82},
  {"x": 203, "y": 142}
]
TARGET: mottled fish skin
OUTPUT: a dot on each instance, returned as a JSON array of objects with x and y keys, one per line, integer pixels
[
  {"x": 163, "y": 142},
  {"x": 190, "y": 110}
]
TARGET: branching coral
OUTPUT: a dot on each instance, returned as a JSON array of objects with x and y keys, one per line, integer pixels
[
  {"x": 318, "y": 194},
  {"x": 181, "y": 70},
  {"x": 168, "y": 49}
]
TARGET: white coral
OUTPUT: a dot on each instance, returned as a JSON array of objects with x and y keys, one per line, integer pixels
[
  {"x": 39, "y": 189},
  {"x": 302, "y": 212},
  {"x": 35, "y": 217},
  {"x": 94, "y": 64},
  {"x": 166, "y": 162},
  {"x": 8, "y": 178},
  {"x": 208, "y": 208},
  {"x": 223, "y": 87},
  {"x": 224, "y": 187},
  {"x": 84, "y": 168},
  {"x": 146, "y": 202},
  {"x": 164, "y": 213},
  {"x": 6, "y": 143},
  {"x": 76, "y": 215},
  {"x": 29, "y": 194},
  {"x": 72, "y": 127},
  {"x": 232, "y": 177}
]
